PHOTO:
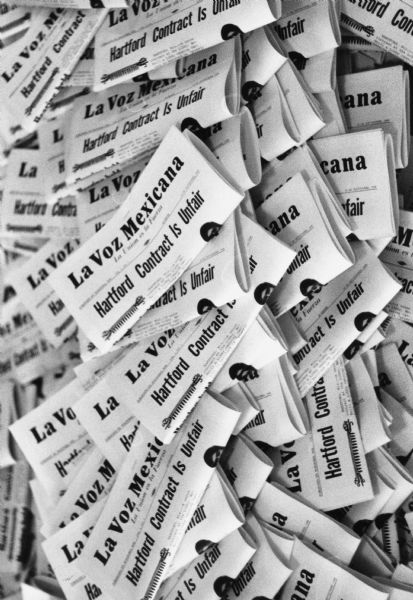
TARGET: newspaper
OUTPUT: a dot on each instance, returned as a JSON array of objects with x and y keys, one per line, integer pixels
[
  {"x": 329, "y": 461},
  {"x": 322, "y": 251},
  {"x": 52, "y": 439},
  {"x": 26, "y": 210},
  {"x": 323, "y": 579},
  {"x": 218, "y": 514},
  {"x": 178, "y": 170},
  {"x": 151, "y": 504},
  {"x": 303, "y": 161},
  {"x": 283, "y": 509},
  {"x": 248, "y": 357},
  {"x": 330, "y": 334},
  {"x": 379, "y": 98},
  {"x": 286, "y": 106},
  {"x": 387, "y": 24},
  {"x": 298, "y": 29},
  {"x": 23, "y": 178},
  {"x": 127, "y": 46},
  {"x": 211, "y": 574},
  {"x": 262, "y": 56},
  {"x": 64, "y": 550},
  {"x": 132, "y": 118},
  {"x": 30, "y": 282},
  {"x": 39, "y": 63},
  {"x": 361, "y": 171},
  {"x": 109, "y": 422}
]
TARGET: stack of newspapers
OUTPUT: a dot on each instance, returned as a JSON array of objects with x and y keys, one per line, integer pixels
[{"x": 206, "y": 316}]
